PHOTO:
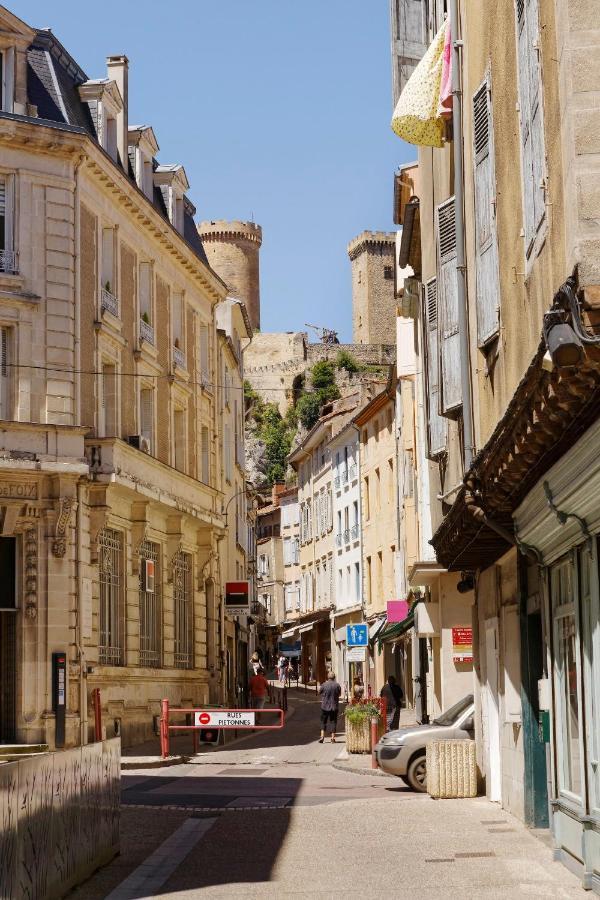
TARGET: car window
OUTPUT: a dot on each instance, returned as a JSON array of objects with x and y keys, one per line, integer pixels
[{"x": 450, "y": 716}]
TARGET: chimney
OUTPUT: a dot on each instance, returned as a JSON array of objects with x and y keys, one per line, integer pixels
[
  {"x": 276, "y": 491},
  {"x": 118, "y": 69}
]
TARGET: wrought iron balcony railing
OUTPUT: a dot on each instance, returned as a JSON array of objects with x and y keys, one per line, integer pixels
[
  {"x": 146, "y": 332},
  {"x": 109, "y": 302}
]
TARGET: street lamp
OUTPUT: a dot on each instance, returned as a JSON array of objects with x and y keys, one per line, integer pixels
[{"x": 564, "y": 346}]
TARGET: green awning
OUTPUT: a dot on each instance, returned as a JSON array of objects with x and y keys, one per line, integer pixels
[{"x": 396, "y": 629}]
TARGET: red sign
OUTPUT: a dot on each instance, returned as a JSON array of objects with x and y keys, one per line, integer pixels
[
  {"x": 397, "y": 610},
  {"x": 237, "y": 598},
  {"x": 462, "y": 644},
  {"x": 204, "y": 718}
]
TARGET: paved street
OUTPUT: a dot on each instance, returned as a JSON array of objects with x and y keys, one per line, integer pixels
[{"x": 271, "y": 816}]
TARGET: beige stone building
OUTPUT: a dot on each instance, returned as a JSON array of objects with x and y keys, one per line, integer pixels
[
  {"x": 373, "y": 299},
  {"x": 510, "y": 412},
  {"x": 110, "y": 473}
]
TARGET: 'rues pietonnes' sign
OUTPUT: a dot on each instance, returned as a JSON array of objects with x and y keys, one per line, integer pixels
[{"x": 18, "y": 490}]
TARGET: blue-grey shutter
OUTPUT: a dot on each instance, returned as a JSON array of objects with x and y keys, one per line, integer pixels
[
  {"x": 409, "y": 40},
  {"x": 532, "y": 128},
  {"x": 486, "y": 238},
  {"x": 451, "y": 389},
  {"x": 437, "y": 424}
]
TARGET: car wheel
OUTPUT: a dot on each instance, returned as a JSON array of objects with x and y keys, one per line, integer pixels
[{"x": 416, "y": 775}]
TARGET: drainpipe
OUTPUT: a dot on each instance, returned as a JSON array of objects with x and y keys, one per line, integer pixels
[
  {"x": 461, "y": 263},
  {"x": 83, "y": 706}
]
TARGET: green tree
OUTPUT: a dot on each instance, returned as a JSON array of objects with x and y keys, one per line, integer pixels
[
  {"x": 308, "y": 409},
  {"x": 345, "y": 360}
]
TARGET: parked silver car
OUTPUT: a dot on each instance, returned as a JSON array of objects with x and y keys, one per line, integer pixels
[{"x": 402, "y": 751}]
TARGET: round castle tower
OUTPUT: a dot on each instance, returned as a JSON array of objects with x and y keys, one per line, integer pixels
[{"x": 232, "y": 249}]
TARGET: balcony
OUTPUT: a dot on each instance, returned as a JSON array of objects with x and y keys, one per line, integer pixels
[
  {"x": 338, "y": 539},
  {"x": 109, "y": 303},
  {"x": 355, "y": 532},
  {"x": 179, "y": 357},
  {"x": 347, "y": 536},
  {"x": 352, "y": 473},
  {"x": 146, "y": 332},
  {"x": 338, "y": 482},
  {"x": 8, "y": 262},
  {"x": 345, "y": 476}
]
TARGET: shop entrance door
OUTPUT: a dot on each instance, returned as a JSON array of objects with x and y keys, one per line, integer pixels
[
  {"x": 420, "y": 682},
  {"x": 8, "y": 641},
  {"x": 536, "y": 784}
]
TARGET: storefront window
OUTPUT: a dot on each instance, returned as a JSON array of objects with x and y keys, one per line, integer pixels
[
  {"x": 567, "y": 680},
  {"x": 590, "y": 614}
]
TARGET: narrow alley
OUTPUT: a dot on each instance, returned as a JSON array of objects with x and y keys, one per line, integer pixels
[{"x": 276, "y": 814}]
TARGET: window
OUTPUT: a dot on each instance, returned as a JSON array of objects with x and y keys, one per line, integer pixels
[
  {"x": 357, "y": 596},
  {"x": 388, "y": 273},
  {"x": 178, "y": 314},
  {"x": 486, "y": 241},
  {"x": 567, "y": 680},
  {"x": 391, "y": 482},
  {"x": 204, "y": 356},
  {"x": 147, "y": 416},
  {"x": 183, "y": 598},
  {"x": 150, "y": 605},
  {"x": 437, "y": 430},
  {"x": 379, "y": 575},
  {"x": 367, "y": 499},
  {"x": 8, "y": 257},
  {"x": 376, "y": 430},
  {"x": 145, "y": 301},
  {"x": 369, "y": 581},
  {"x": 263, "y": 565},
  {"x": 112, "y": 626},
  {"x": 448, "y": 307},
  {"x": 108, "y": 401},
  {"x": 6, "y": 408},
  {"x": 410, "y": 37},
  {"x": 296, "y": 551},
  {"x": 108, "y": 261},
  {"x": 180, "y": 439},
  {"x": 531, "y": 118},
  {"x": 205, "y": 456},
  {"x": 409, "y": 474},
  {"x": 377, "y": 490},
  {"x": 227, "y": 452}
]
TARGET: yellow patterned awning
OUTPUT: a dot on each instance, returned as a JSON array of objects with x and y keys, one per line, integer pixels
[{"x": 417, "y": 118}]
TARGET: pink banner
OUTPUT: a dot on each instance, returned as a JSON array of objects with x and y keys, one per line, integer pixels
[{"x": 397, "y": 610}]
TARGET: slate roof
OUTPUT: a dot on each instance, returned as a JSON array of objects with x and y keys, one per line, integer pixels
[{"x": 53, "y": 79}]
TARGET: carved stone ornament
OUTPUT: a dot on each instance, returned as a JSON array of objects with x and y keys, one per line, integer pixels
[
  {"x": 59, "y": 544},
  {"x": 31, "y": 564},
  {"x": 172, "y": 568}
]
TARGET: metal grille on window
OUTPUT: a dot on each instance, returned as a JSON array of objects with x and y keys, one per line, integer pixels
[
  {"x": 111, "y": 649},
  {"x": 150, "y": 606},
  {"x": 184, "y": 610}
]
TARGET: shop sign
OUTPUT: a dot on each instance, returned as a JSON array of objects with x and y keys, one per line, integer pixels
[
  {"x": 237, "y": 602},
  {"x": 397, "y": 610},
  {"x": 462, "y": 644},
  {"x": 18, "y": 490}
]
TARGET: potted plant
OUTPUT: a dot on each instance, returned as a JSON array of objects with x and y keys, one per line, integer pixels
[
  {"x": 107, "y": 287},
  {"x": 358, "y": 726},
  {"x": 146, "y": 318}
]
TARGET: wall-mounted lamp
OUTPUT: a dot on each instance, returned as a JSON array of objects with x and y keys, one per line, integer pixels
[
  {"x": 564, "y": 346},
  {"x": 466, "y": 583}
]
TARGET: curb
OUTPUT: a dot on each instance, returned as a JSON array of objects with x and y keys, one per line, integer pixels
[
  {"x": 358, "y": 770},
  {"x": 151, "y": 762}
]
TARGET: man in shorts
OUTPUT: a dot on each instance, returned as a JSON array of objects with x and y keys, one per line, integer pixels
[{"x": 330, "y": 693}]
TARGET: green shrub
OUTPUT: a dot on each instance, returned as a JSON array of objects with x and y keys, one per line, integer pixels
[
  {"x": 308, "y": 409},
  {"x": 359, "y": 712},
  {"x": 323, "y": 375},
  {"x": 345, "y": 360}
]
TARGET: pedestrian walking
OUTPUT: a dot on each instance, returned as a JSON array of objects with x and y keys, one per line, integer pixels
[
  {"x": 330, "y": 692},
  {"x": 255, "y": 664},
  {"x": 392, "y": 694},
  {"x": 358, "y": 689},
  {"x": 282, "y": 666},
  {"x": 259, "y": 688}
]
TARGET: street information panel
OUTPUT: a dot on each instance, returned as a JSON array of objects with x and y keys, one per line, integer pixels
[
  {"x": 357, "y": 635},
  {"x": 218, "y": 718}
]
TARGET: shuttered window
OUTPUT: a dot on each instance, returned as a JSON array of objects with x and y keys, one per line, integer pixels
[
  {"x": 486, "y": 239},
  {"x": 437, "y": 424},
  {"x": 531, "y": 116},
  {"x": 204, "y": 355},
  {"x": 147, "y": 415},
  {"x": 409, "y": 27},
  {"x": 447, "y": 295},
  {"x": 5, "y": 398},
  {"x": 205, "y": 460},
  {"x": 145, "y": 291}
]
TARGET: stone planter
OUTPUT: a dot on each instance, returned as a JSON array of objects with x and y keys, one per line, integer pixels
[{"x": 358, "y": 736}]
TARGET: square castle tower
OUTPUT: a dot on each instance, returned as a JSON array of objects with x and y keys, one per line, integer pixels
[{"x": 372, "y": 257}]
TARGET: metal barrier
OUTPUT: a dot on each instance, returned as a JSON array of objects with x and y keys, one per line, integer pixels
[{"x": 166, "y": 727}]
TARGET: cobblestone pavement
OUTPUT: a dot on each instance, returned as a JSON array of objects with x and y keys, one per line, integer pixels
[{"x": 269, "y": 816}]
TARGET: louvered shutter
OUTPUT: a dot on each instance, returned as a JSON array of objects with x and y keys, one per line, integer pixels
[
  {"x": 147, "y": 414},
  {"x": 4, "y": 376},
  {"x": 486, "y": 239},
  {"x": 447, "y": 286},
  {"x": 409, "y": 40},
  {"x": 204, "y": 360},
  {"x": 438, "y": 425},
  {"x": 205, "y": 456},
  {"x": 532, "y": 133}
]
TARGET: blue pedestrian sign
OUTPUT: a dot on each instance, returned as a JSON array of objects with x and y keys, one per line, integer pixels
[{"x": 357, "y": 635}]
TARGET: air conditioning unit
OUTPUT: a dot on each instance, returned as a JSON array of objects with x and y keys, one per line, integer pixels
[
  {"x": 148, "y": 575},
  {"x": 139, "y": 442}
]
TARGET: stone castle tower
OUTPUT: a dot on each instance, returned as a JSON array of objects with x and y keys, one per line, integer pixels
[
  {"x": 372, "y": 256},
  {"x": 232, "y": 249}
]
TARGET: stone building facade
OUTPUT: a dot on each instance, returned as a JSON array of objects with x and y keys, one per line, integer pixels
[
  {"x": 372, "y": 258},
  {"x": 110, "y": 460}
]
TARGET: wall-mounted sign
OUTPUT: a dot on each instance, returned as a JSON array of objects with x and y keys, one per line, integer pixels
[
  {"x": 397, "y": 610},
  {"x": 357, "y": 635},
  {"x": 355, "y": 654},
  {"x": 237, "y": 598},
  {"x": 462, "y": 644}
]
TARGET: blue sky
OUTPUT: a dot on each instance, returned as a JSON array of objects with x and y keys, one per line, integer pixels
[{"x": 279, "y": 112}]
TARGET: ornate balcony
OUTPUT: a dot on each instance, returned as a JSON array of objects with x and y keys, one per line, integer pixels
[
  {"x": 179, "y": 357},
  {"x": 8, "y": 262},
  {"x": 147, "y": 332},
  {"x": 354, "y": 533},
  {"x": 109, "y": 302},
  {"x": 352, "y": 473},
  {"x": 347, "y": 536},
  {"x": 338, "y": 539}
]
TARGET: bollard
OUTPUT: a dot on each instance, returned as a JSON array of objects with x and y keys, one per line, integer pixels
[
  {"x": 374, "y": 724},
  {"x": 164, "y": 729},
  {"x": 97, "y": 714}
]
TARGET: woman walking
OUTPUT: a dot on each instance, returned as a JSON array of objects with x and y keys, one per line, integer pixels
[{"x": 330, "y": 693}]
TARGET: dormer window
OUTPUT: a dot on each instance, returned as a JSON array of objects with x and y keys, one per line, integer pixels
[
  {"x": 172, "y": 182},
  {"x": 106, "y": 104},
  {"x": 7, "y": 65},
  {"x": 8, "y": 257},
  {"x": 143, "y": 147}
]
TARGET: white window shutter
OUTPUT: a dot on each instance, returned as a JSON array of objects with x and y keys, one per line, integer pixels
[
  {"x": 204, "y": 354},
  {"x": 532, "y": 128},
  {"x": 438, "y": 425},
  {"x": 447, "y": 290},
  {"x": 535, "y": 112},
  {"x": 409, "y": 36},
  {"x": 486, "y": 239}
]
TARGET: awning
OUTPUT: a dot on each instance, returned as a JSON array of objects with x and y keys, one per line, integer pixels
[
  {"x": 289, "y": 633},
  {"x": 376, "y": 627},
  {"x": 308, "y": 627},
  {"x": 396, "y": 630}
]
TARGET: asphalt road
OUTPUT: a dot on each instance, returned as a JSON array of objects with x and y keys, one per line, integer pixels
[{"x": 269, "y": 816}]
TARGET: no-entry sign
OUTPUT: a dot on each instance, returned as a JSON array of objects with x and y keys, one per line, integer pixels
[{"x": 216, "y": 718}]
